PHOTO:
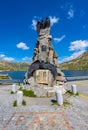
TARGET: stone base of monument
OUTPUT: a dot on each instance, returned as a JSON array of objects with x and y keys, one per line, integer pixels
[
  {"x": 41, "y": 90},
  {"x": 50, "y": 93},
  {"x": 61, "y": 88}
]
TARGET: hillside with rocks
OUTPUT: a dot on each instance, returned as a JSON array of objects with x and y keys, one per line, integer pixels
[
  {"x": 80, "y": 63},
  {"x": 13, "y": 66}
]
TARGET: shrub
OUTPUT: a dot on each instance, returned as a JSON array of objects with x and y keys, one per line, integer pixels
[
  {"x": 15, "y": 103},
  {"x": 23, "y": 102},
  {"x": 12, "y": 92}
]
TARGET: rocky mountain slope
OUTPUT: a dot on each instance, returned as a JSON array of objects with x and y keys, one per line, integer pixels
[{"x": 80, "y": 63}]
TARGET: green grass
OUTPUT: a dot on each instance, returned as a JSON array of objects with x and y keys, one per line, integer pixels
[
  {"x": 15, "y": 103},
  {"x": 65, "y": 103},
  {"x": 4, "y": 77},
  {"x": 55, "y": 103},
  {"x": 72, "y": 94},
  {"x": 28, "y": 93}
]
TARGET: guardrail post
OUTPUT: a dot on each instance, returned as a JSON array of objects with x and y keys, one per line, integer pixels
[
  {"x": 19, "y": 98},
  {"x": 14, "y": 88},
  {"x": 74, "y": 89},
  {"x": 59, "y": 97}
]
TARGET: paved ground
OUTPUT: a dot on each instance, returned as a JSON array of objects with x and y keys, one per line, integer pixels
[{"x": 39, "y": 114}]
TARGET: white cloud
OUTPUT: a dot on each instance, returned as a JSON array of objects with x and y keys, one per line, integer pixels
[
  {"x": 22, "y": 45},
  {"x": 34, "y": 22},
  {"x": 4, "y": 57},
  {"x": 78, "y": 45},
  {"x": 70, "y": 13},
  {"x": 59, "y": 39},
  {"x": 8, "y": 59},
  {"x": 53, "y": 20},
  {"x": 26, "y": 58},
  {"x": 73, "y": 56}
]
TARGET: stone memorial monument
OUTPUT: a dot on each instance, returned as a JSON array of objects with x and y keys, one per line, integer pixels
[{"x": 44, "y": 76}]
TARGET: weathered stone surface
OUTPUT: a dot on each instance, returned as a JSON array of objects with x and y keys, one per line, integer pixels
[
  {"x": 31, "y": 80},
  {"x": 51, "y": 55},
  {"x": 44, "y": 31},
  {"x": 51, "y": 93},
  {"x": 42, "y": 25},
  {"x": 60, "y": 87},
  {"x": 61, "y": 78}
]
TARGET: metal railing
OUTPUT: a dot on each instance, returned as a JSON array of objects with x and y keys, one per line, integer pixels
[{"x": 77, "y": 78}]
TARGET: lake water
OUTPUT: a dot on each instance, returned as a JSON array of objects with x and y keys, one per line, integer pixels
[{"x": 19, "y": 75}]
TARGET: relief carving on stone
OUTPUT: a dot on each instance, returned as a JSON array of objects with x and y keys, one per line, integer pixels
[{"x": 42, "y": 76}]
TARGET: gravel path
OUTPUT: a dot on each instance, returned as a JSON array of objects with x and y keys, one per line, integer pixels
[{"x": 39, "y": 114}]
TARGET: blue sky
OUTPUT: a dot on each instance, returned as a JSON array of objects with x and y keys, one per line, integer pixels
[{"x": 18, "y": 36}]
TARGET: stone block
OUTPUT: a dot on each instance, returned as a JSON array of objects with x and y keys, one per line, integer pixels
[
  {"x": 51, "y": 93},
  {"x": 60, "y": 87}
]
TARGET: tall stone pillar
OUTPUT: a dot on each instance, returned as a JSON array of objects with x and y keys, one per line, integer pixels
[{"x": 43, "y": 70}]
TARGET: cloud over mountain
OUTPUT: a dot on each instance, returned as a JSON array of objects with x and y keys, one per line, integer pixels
[
  {"x": 78, "y": 45},
  {"x": 6, "y": 58}
]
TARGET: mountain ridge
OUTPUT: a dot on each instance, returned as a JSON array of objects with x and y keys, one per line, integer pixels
[{"x": 80, "y": 63}]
